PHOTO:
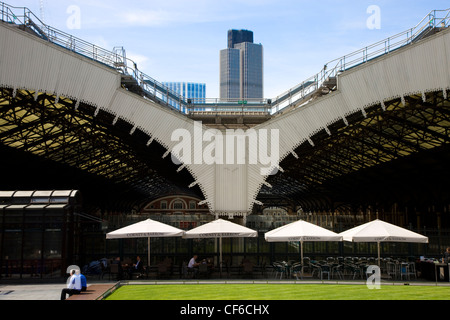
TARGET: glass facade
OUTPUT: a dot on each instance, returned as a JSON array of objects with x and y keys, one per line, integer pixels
[
  {"x": 196, "y": 92},
  {"x": 37, "y": 234},
  {"x": 238, "y": 36},
  {"x": 42, "y": 239},
  {"x": 230, "y": 83},
  {"x": 251, "y": 59},
  {"x": 241, "y": 67},
  {"x": 258, "y": 250}
]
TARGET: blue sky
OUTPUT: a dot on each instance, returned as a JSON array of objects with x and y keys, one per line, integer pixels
[{"x": 175, "y": 40}]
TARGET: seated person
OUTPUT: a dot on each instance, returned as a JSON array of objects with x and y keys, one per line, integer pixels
[
  {"x": 119, "y": 268},
  {"x": 82, "y": 279},
  {"x": 73, "y": 285},
  {"x": 193, "y": 264},
  {"x": 137, "y": 267}
]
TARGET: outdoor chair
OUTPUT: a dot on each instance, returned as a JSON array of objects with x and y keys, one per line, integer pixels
[
  {"x": 336, "y": 269},
  {"x": 226, "y": 268},
  {"x": 247, "y": 269},
  {"x": 263, "y": 270},
  {"x": 105, "y": 269},
  {"x": 405, "y": 270},
  {"x": 297, "y": 269},
  {"x": 306, "y": 265},
  {"x": 325, "y": 270},
  {"x": 203, "y": 270},
  {"x": 141, "y": 273},
  {"x": 353, "y": 270},
  {"x": 412, "y": 269},
  {"x": 163, "y": 270},
  {"x": 279, "y": 268},
  {"x": 190, "y": 272},
  {"x": 183, "y": 270},
  {"x": 114, "y": 270},
  {"x": 315, "y": 268},
  {"x": 391, "y": 269}
]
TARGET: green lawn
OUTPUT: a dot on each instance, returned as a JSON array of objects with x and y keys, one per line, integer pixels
[{"x": 278, "y": 292}]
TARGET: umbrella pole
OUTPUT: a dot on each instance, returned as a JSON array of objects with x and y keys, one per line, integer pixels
[
  {"x": 220, "y": 255},
  {"x": 378, "y": 243},
  {"x": 301, "y": 252},
  {"x": 148, "y": 251}
]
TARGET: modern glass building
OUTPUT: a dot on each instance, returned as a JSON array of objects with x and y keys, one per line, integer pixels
[
  {"x": 238, "y": 36},
  {"x": 230, "y": 83},
  {"x": 241, "y": 67},
  {"x": 196, "y": 92},
  {"x": 251, "y": 58}
]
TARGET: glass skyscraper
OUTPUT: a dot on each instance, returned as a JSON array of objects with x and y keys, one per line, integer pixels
[
  {"x": 196, "y": 92},
  {"x": 238, "y": 36},
  {"x": 241, "y": 67}
]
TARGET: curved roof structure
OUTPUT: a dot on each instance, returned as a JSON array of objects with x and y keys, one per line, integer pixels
[
  {"x": 83, "y": 117},
  {"x": 401, "y": 149}
]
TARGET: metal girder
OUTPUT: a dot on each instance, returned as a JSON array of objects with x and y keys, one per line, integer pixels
[
  {"x": 367, "y": 147},
  {"x": 81, "y": 138}
]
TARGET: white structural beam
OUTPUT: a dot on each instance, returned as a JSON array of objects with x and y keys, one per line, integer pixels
[{"x": 28, "y": 62}]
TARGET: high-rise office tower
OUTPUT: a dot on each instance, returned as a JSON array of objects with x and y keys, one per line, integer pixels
[{"x": 241, "y": 67}]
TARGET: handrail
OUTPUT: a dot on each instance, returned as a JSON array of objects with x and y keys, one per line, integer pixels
[
  {"x": 116, "y": 60},
  {"x": 339, "y": 65},
  {"x": 295, "y": 95}
]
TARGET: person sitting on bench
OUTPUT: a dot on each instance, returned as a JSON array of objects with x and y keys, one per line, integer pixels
[{"x": 73, "y": 285}]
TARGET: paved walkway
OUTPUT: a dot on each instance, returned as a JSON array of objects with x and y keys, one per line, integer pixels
[
  {"x": 95, "y": 289},
  {"x": 49, "y": 291}
]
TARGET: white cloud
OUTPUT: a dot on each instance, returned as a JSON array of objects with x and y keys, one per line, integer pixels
[
  {"x": 141, "y": 61},
  {"x": 150, "y": 18}
]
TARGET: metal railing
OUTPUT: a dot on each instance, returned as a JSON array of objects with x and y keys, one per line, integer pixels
[
  {"x": 297, "y": 95},
  {"x": 214, "y": 105},
  {"x": 435, "y": 19},
  {"x": 115, "y": 59}
]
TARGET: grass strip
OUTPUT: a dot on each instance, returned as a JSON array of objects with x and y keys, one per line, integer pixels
[{"x": 278, "y": 292}]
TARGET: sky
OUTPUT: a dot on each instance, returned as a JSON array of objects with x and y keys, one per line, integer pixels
[{"x": 180, "y": 40}]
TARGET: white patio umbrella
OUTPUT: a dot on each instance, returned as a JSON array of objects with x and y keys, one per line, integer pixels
[
  {"x": 220, "y": 228},
  {"x": 381, "y": 231},
  {"x": 301, "y": 231},
  {"x": 146, "y": 229}
]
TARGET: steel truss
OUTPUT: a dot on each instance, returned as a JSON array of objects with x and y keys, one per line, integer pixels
[
  {"x": 389, "y": 143},
  {"x": 60, "y": 131}
]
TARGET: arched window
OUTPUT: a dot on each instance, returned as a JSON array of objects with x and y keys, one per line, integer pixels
[{"x": 178, "y": 205}]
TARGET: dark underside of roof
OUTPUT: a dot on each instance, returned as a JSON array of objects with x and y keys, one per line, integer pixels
[
  {"x": 49, "y": 144},
  {"x": 390, "y": 153}
]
